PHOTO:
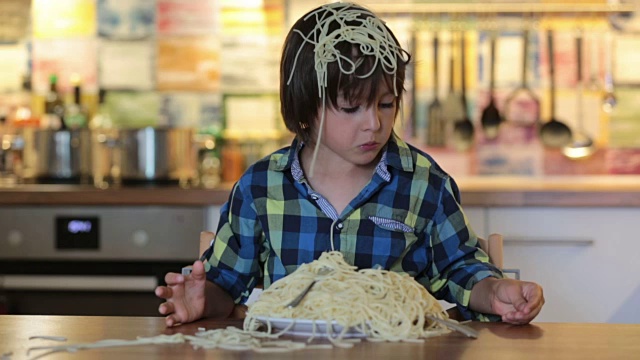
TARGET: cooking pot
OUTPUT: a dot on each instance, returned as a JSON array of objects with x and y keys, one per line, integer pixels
[
  {"x": 59, "y": 155},
  {"x": 153, "y": 154}
]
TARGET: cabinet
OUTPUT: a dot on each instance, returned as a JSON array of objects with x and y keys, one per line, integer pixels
[{"x": 586, "y": 259}]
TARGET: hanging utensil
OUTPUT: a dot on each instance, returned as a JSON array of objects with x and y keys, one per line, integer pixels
[
  {"x": 609, "y": 100},
  {"x": 554, "y": 133},
  {"x": 491, "y": 117},
  {"x": 463, "y": 127},
  {"x": 582, "y": 145},
  {"x": 452, "y": 107},
  {"x": 594, "y": 52},
  {"x": 412, "y": 75},
  {"x": 436, "y": 127},
  {"x": 522, "y": 106}
]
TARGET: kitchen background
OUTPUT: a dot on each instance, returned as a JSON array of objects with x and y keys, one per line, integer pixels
[{"x": 212, "y": 66}]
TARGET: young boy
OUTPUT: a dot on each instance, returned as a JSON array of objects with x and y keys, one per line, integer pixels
[{"x": 346, "y": 183}]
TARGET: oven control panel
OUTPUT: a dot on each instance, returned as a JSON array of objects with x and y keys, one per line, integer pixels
[{"x": 101, "y": 233}]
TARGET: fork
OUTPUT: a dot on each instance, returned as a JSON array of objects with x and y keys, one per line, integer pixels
[
  {"x": 323, "y": 271},
  {"x": 466, "y": 330}
]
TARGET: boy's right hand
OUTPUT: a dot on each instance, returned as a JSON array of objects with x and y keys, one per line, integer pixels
[{"x": 184, "y": 295}]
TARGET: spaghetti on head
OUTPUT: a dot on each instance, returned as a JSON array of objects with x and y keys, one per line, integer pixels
[
  {"x": 383, "y": 305},
  {"x": 339, "y": 49}
]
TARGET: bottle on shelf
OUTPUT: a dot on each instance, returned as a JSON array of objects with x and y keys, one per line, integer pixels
[
  {"x": 21, "y": 114},
  {"x": 76, "y": 115},
  {"x": 102, "y": 118},
  {"x": 54, "y": 105}
]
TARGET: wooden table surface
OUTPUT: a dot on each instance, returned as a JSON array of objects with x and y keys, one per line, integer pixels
[{"x": 496, "y": 341}]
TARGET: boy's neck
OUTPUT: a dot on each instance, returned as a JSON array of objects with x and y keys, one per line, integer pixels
[
  {"x": 330, "y": 165},
  {"x": 335, "y": 179}
]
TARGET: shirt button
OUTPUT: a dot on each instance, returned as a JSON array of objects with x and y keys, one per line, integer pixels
[
  {"x": 314, "y": 197},
  {"x": 340, "y": 226}
]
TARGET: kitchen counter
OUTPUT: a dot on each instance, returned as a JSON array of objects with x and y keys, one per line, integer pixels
[
  {"x": 495, "y": 341},
  {"x": 574, "y": 191}
]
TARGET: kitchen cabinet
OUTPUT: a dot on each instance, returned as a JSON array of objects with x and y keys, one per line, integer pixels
[
  {"x": 586, "y": 259},
  {"x": 212, "y": 216},
  {"x": 478, "y": 219}
]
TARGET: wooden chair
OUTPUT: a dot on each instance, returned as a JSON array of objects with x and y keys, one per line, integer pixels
[{"x": 494, "y": 247}]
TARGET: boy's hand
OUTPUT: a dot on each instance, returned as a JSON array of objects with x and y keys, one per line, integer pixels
[
  {"x": 518, "y": 302},
  {"x": 184, "y": 295}
]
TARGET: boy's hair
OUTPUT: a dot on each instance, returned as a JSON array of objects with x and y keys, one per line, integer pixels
[{"x": 350, "y": 65}]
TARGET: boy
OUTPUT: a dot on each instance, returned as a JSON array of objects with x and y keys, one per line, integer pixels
[{"x": 346, "y": 183}]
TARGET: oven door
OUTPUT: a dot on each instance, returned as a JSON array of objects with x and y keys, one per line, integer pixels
[
  {"x": 59, "y": 288},
  {"x": 92, "y": 260}
]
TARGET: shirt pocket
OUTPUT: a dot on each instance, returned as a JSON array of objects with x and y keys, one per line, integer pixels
[{"x": 391, "y": 224}]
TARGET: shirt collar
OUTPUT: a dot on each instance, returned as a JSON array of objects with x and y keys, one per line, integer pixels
[{"x": 397, "y": 154}]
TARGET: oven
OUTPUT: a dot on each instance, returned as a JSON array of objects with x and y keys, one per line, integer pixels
[{"x": 87, "y": 260}]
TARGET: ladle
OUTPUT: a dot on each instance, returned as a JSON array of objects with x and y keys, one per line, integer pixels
[
  {"x": 582, "y": 145},
  {"x": 463, "y": 127},
  {"x": 554, "y": 133},
  {"x": 491, "y": 117},
  {"x": 436, "y": 127},
  {"x": 522, "y": 106}
]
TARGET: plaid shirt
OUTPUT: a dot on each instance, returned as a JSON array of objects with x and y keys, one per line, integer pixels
[{"x": 406, "y": 219}]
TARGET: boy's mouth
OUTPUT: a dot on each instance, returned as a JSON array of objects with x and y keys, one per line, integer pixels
[{"x": 369, "y": 146}]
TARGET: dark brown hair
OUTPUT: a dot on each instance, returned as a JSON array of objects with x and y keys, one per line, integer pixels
[{"x": 300, "y": 99}]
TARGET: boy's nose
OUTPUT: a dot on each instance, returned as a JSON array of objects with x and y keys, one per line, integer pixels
[{"x": 372, "y": 118}]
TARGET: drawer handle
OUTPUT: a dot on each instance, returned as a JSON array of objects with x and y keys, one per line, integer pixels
[{"x": 549, "y": 242}]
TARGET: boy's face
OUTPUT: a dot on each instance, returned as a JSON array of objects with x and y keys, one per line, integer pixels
[{"x": 356, "y": 132}]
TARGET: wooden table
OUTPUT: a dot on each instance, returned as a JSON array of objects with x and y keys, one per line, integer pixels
[{"x": 496, "y": 341}]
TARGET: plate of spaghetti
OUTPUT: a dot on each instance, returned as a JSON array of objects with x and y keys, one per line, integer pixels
[
  {"x": 310, "y": 328},
  {"x": 375, "y": 304}
]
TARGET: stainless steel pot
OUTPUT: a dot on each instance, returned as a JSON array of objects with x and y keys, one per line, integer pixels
[
  {"x": 59, "y": 155},
  {"x": 157, "y": 154}
]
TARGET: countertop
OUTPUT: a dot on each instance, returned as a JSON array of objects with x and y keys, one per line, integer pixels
[
  {"x": 579, "y": 191},
  {"x": 495, "y": 341}
]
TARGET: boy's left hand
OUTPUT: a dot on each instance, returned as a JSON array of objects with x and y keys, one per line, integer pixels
[{"x": 518, "y": 302}]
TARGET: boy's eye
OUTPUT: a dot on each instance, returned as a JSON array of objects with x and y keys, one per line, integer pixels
[
  {"x": 388, "y": 105},
  {"x": 350, "y": 110}
]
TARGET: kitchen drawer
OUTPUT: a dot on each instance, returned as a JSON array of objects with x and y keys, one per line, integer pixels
[
  {"x": 585, "y": 259},
  {"x": 478, "y": 219}
]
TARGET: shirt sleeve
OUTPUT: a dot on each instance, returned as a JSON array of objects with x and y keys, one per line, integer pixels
[
  {"x": 233, "y": 263},
  {"x": 457, "y": 262}
]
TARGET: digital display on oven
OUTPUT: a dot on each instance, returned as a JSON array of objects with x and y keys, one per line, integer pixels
[{"x": 77, "y": 232}]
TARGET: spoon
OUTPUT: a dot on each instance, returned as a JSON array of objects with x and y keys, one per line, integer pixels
[
  {"x": 582, "y": 145},
  {"x": 463, "y": 127},
  {"x": 491, "y": 117},
  {"x": 435, "y": 130},
  {"x": 554, "y": 133}
]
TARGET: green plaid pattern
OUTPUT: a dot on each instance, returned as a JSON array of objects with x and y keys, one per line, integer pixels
[{"x": 407, "y": 219}]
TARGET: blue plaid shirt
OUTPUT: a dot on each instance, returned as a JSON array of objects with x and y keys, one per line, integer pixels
[{"x": 408, "y": 219}]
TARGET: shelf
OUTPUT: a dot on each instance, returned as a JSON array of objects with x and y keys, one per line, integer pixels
[{"x": 502, "y": 8}]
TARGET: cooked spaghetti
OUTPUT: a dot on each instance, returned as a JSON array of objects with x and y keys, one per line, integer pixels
[{"x": 383, "y": 305}]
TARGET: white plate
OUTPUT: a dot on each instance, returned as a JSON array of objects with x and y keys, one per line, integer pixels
[{"x": 303, "y": 327}]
